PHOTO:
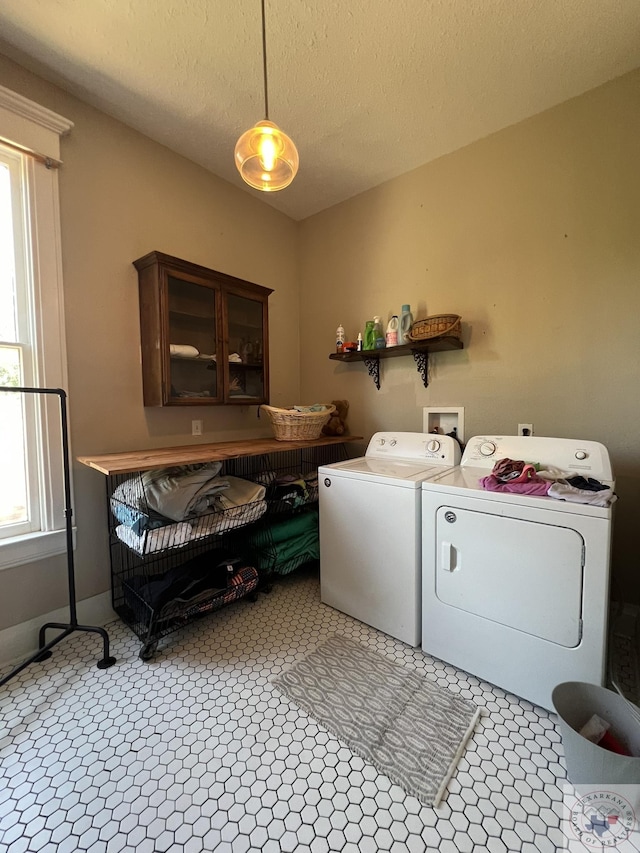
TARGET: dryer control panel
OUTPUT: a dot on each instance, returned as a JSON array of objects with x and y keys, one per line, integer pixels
[
  {"x": 437, "y": 449},
  {"x": 589, "y": 458}
]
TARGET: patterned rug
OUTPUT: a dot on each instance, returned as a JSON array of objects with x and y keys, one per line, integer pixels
[{"x": 409, "y": 728}]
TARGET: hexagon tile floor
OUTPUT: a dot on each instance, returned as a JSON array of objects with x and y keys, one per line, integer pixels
[{"x": 196, "y": 751}]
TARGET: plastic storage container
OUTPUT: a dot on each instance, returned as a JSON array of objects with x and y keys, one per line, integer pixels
[
  {"x": 369, "y": 339},
  {"x": 378, "y": 334},
  {"x": 391, "y": 337},
  {"x": 406, "y": 321},
  {"x": 575, "y": 702}
]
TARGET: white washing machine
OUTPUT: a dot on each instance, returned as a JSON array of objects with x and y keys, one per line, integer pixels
[
  {"x": 516, "y": 588},
  {"x": 370, "y": 532}
]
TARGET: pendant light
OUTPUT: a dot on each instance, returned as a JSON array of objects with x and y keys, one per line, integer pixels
[{"x": 265, "y": 156}]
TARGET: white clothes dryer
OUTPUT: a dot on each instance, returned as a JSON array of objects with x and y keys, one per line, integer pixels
[
  {"x": 370, "y": 531},
  {"x": 516, "y": 587}
]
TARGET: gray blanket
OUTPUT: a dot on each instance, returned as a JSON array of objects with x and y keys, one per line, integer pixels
[{"x": 182, "y": 493}]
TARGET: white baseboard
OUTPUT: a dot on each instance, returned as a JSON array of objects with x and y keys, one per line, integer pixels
[{"x": 20, "y": 641}]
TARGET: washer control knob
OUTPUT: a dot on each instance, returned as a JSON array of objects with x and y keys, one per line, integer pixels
[
  {"x": 487, "y": 448},
  {"x": 393, "y": 442},
  {"x": 580, "y": 454},
  {"x": 433, "y": 446},
  {"x": 381, "y": 441}
]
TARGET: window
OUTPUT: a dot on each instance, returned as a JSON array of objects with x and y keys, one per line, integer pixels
[
  {"x": 32, "y": 354},
  {"x": 19, "y": 506}
]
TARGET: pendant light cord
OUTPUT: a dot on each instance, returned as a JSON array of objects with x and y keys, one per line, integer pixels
[{"x": 264, "y": 64}]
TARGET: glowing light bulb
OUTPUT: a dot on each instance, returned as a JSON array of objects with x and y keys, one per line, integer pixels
[{"x": 267, "y": 152}]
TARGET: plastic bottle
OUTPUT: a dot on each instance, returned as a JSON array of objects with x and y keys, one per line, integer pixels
[
  {"x": 340, "y": 338},
  {"x": 406, "y": 321},
  {"x": 378, "y": 334},
  {"x": 369, "y": 340},
  {"x": 391, "y": 336},
  {"x": 359, "y": 343}
]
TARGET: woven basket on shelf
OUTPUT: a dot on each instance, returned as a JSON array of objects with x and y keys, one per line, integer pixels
[
  {"x": 437, "y": 326},
  {"x": 289, "y": 425}
]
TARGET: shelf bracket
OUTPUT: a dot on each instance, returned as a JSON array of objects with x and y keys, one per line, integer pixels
[
  {"x": 373, "y": 368},
  {"x": 422, "y": 363}
]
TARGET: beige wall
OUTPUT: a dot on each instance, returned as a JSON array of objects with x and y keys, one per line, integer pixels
[
  {"x": 123, "y": 195},
  {"x": 533, "y": 236}
]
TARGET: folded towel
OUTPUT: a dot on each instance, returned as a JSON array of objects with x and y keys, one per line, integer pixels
[
  {"x": 183, "y": 350},
  {"x": 239, "y": 493}
]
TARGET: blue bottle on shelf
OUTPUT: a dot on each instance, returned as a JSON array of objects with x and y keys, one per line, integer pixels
[{"x": 406, "y": 321}]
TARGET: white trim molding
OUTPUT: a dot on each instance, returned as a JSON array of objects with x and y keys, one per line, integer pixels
[
  {"x": 20, "y": 550},
  {"x": 26, "y": 123}
]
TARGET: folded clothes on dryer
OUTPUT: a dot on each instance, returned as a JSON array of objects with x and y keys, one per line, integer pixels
[
  {"x": 533, "y": 486},
  {"x": 523, "y": 478},
  {"x": 513, "y": 471},
  {"x": 586, "y": 483},
  {"x": 564, "y": 491}
]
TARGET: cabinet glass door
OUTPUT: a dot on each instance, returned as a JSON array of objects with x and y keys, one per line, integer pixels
[
  {"x": 193, "y": 344},
  {"x": 247, "y": 375}
]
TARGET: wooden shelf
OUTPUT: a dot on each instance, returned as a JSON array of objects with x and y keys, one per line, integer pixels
[
  {"x": 166, "y": 457},
  {"x": 418, "y": 349},
  {"x": 437, "y": 345},
  {"x": 189, "y": 315},
  {"x": 246, "y": 365}
]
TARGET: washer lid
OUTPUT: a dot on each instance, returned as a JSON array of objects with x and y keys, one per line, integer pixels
[{"x": 410, "y": 471}]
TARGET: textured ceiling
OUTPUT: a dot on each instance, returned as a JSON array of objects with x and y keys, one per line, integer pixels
[{"x": 367, "y": 89}]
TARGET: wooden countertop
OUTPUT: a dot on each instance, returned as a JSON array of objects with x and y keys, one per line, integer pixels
[{"x": 165, "y": 457}]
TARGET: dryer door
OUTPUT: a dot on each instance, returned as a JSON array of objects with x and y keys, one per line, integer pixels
[{"x": 523, "y": 574}]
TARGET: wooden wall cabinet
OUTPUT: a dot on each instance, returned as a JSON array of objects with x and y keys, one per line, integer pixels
[{"x": 204, "y": 334}]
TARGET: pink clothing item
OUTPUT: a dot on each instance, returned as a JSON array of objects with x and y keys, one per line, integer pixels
[
  {"x": 513, "y": 471},
  {"x": 533, "y": 486},
  {"x": 528, "y": 473}
]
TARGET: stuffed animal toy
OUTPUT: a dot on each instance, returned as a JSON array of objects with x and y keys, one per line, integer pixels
[{"x": 336, "y": 424}]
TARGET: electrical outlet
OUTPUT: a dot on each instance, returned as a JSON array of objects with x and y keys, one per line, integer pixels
[
  {"x": 196, "y": 427},
  {"x": 525, "y": 429}
]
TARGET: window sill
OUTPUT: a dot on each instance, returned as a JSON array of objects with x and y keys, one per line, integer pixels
[{"x": 31, "y": 547}]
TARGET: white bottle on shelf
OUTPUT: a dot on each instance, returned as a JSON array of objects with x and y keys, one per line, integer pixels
[
  {"x": 391, "y": 336},
  {"x": 406, "y": 321},
  {"x": 340, "y": 338}
]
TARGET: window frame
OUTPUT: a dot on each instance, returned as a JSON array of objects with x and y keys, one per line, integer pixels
[{"x": 35, "y": 129}]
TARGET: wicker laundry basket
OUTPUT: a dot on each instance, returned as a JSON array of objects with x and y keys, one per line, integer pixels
[
  {"x": 290, "y": 425},
  {"x": 437, "y": 326}
]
